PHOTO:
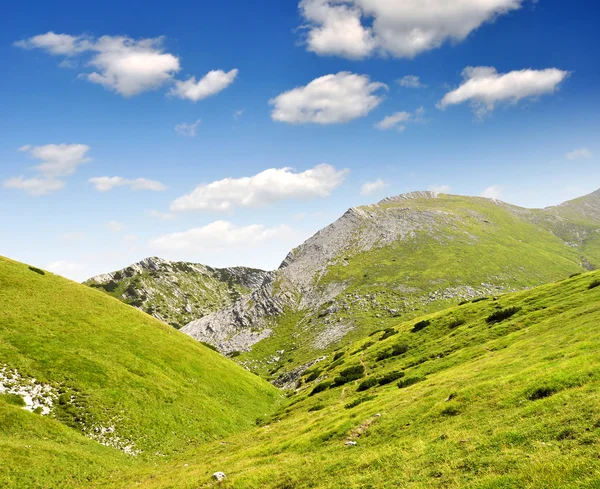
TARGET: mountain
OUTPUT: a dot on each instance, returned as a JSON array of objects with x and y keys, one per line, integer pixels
[
  {"x": 178, "y": 292},
  {"x": 403, "y": 257},
  {"x": 495, "y": 393},
  {"x": 89, "y": 385}
]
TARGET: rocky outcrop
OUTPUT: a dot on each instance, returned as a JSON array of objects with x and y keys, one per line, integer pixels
[{"x": 178, "y": 292}]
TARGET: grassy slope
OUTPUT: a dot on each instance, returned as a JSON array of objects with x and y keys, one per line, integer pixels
[
  {"x": 113, "y": 366},
  {"x": 482, "y": 241},
  {"x": 502, "y": 405}
]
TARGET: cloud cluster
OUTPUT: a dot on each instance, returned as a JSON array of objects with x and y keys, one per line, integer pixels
[
  {"x": 129, "y": 66},
  {"x": 212, "y": 83},
  {"x": 411, "y": 81},
  {"x": 359, "y": 28},
  {"x": 330, "y": 99},
  {"x": 580, "y": 154},
  {"x": 399, "y": 120},
  {"x": 187, "y": 129},
  {"x": 494, "y": 192},
  {"x": 265, "y": 188},
  {"x": 440, "y": 189},
  {"x": 57, "y": 161},
  {"x": 218, "y": 235},
  {"x": 104, "y": 184},
  {"x": 370, "y": 188},
  {"x": 483, "y": 87}
]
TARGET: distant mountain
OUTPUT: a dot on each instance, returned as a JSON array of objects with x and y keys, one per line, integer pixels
[
  {"x": 178, "y": 292},
  {"x": 408, "y": 255}
]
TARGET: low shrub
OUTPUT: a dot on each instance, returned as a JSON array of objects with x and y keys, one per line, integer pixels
[
  {"x": 37, "y": 270},
  {"x": 575, "y": 275},
  {"x": 348, "y": 375},
  {"x": 479, "y": 299},
  {"x": 541, "y": 393},
  {"x": 397, "y": 350},
  {"x": 315, "y": 408},
  {"x": 594, "y": 284},
  {"x": 320, "y": 388},
  {"x": 14, "y": 399},
  {"x": 358, "y": 402},
  {"x": 338, "y": 355},
  {"x": 409, "y": 381},
  {"x": 337, "y": 363},
  {"x": 502, "y": 315},
  {"x": 390, "y": 377},
  {"x": 456, "y": 322},
  {"x": 314, "y": 375},
  {"x": 420, "y": 326},
  {"x": 367, "y": 384},
  {"x": 387, "y": 333},
  {"x": 450, "y": 411},
  {"x": 462, "y": 303},
  {"x": 235, "y": 354},
  {"x": 208, "y": 345}
]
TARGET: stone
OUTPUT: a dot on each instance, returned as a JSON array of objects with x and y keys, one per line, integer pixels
[{"x": 219, "y": 476}]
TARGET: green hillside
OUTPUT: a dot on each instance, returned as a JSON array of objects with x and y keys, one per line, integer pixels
[
  {"x": 92, "y": 368},
  {"x": 402, "y": 258},
  {"x": 495, "y": 393}
]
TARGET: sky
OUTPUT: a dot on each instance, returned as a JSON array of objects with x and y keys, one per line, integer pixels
[{"x": 227, "y": 133}]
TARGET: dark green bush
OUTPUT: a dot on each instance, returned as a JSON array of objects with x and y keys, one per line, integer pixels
[
  {"x": 594, "y": 284},
  {"x": 409, "y": 381},
  {"x": 541, "y": 393},
  {"x": 397, "y": 350},
  {"x": 234, "y": 354},
  {"x": 420, "y": 325},
  {"x": 338, "y": 355},
  {"x": 479, "y": 299},
  {"x": 456, "y": 322},
  {"x": 450, "y": 411},
  {"x": 37, "y": 270},
  {"x": 575, "y": 275},
  {"x": 348, "y": 375},
  {"x": 502, "y": 315},
  {"x": 387, "y": 333},
  {"x": 367, "y": 384},
  {"x": 314, "y": 375},
  {"x": 358, "y": 401},
  {"x": 320, "y": 388},
  {"x": 208, "y": 345},
  {"x": 317, "y": 407},
  {"x": 337, "y": 363},
  {"x": 462, "y": 303},
  {"x": 390, "y": 377}
]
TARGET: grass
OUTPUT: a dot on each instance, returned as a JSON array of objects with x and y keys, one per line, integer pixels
[
  {"x": 482, "y": 405},
  {"x": 112, "y": 366}
]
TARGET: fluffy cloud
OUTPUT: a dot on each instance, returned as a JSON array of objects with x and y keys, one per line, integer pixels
[
  {"x": 219, "y": 235},
  {"x": 440, "y": 189},
  {"x": 330, "y": 99},
  {"x": 580, "y": 154},
  {"x": 58, "y": 159},
  {"x": 494, "y": 192},
  {"x": 483, "y": 87},
  {"x": 128, "y": 66},
  {"x": 265, "y": 188},
  {"x": 186, "y": 129},
  {"x": 359, "y": 28},
  {"x": 400, "y": 119},
  {"x": 104, "y": 184},
  {"x": 115, "y": 227},
  {"x": 212, "y": 83},
  {"x": 370, "y": 188},
  {"x": 34, "y": 186},
  {"x": 411, "y": 81}
]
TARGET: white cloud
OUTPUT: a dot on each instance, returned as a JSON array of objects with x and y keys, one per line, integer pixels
[
  {"x": 359, "y": 28},
  {"x": 163, "y": 216},
  {"x": 104, "y": 184},
  {"x": 330, "y": 99},
  {"x": 186, "y": 129},
  {"x": 400, "y": 119},
  {"x": 129, "y": 66},
  {"x": 484, "y": 87},
  {"x": 219, "y": 235},
  {"x": 115, "y": 227},
  {"x": 580, "y": 154},
  {"x": 411, "y": 81},
  {"x": 212, "y": 83},
  {"x": 370, "y": 188},
  {"x": 65, "y": 268},
  {"x": 238, "y": 114},
  {"x": 494, "y": 192},
  {"x": 265, "y": 188},
  {"x": 34, "y": 186},
  {"x": 58, "y": 159},
  {"x": 440, "y": 189}
]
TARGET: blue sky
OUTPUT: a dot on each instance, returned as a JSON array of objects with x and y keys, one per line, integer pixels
[{"x": 522, "y": 126}]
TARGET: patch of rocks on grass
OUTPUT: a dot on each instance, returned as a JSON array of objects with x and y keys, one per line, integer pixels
[{"x": 37, "y": 397}]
